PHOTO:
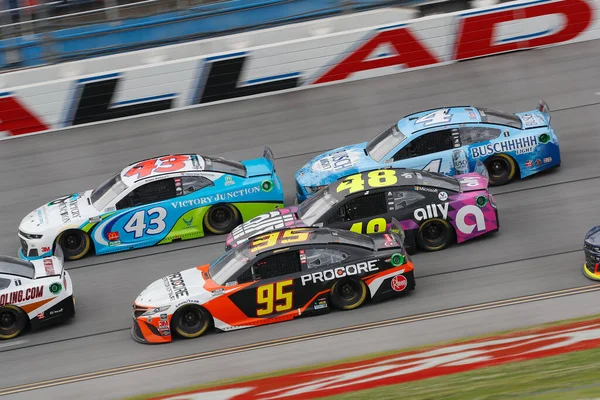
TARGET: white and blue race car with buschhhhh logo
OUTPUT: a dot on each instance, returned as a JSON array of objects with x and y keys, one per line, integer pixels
[
  {"x": 447, "y": 140},
  {"x": 151, "y": 202}
]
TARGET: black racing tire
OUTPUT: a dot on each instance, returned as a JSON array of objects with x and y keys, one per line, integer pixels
[
  {"x": 191, "y": 321},
  {"x": 221, "y": 219},
  {"x": 502, "y": 169},
  {"x": 75, "y": 244},
  {"x": 13, "y": 321},
  {"x": 348, "y": 294},
  {"x": 435, "y": 234}
]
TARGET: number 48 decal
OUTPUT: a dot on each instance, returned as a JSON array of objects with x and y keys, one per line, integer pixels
[{"x": 137, "y": 223}]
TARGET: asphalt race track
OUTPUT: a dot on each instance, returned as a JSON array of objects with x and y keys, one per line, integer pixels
[{"x": 538, "y": 248}]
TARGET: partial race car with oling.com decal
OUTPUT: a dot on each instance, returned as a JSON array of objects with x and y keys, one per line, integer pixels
[
  {"x": 33, "y": 294},
  {"x": 434, "y": 210},
  {"x": 276, "y": 277},
  {"x": 446, "y": 140},
  {"x": 152, "y": 202}
]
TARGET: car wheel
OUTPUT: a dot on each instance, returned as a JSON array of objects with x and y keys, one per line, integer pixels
[
  {"x": 191, "y": 321},
  {"x": 221, "y": 219},
  {"x": 435, "y": 234},
  {"x": 501, "y": 168},
  {"x": 348, "y": 294},
  {"x": 12, "y": 321},
  {"x": 75, "y": 244}
]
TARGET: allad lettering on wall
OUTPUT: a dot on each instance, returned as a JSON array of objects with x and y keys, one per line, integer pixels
[{"x": 221, "y": 77}]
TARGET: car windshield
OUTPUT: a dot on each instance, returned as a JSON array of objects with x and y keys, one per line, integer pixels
[
  {"x": 490, "y": 116},
  {"x": 107, "y": 192},
  {"x": 14, "y": 266},
  {"x": 224, "y": 267},
  {"x": 311, "y": 210},
  {"x": 225, "y": 166},
  {"x": 385, "y": 142}
]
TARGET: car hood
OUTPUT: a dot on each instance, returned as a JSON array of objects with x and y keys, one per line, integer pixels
[
  {"x": 66, "y": 211},
  {"x": 173, "y": 289},
  {"x": 593, "y": 236},
  {"x": 277, "y": 219},
  {"x": 329, "y": 167}
]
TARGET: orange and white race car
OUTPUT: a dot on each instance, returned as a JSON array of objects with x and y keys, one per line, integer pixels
[
  {"x": 275, "y": 277},
  {"x": 33, "y": 293}
]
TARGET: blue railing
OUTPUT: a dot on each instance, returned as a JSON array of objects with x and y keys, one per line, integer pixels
[{"x": 171, "y": 27}]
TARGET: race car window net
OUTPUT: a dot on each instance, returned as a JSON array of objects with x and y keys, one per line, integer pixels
[
  {"x": 362, "y": 207},
  {"x": 428, "y": 143},
  {"x": 14, "y": 266},
  {"x": 151, "y": 192},
  {"x": 107, "y": 192},
  {"x": 490, "y": 116},
  {"x": 224, "y": 267},
  {"x": 225, "y": 166},
  {"x": 385, "y": 142},
  {"x": 311, "y": 210},
  {"x": 277, "y": 265}
]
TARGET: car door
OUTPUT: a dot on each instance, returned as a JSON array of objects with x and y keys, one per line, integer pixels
[
  {"x": 274, "y": 290},
  {"x": 155, "y": 212},
  {"x": 142, "y": 215},
  {"x": 430, "y": 151}
]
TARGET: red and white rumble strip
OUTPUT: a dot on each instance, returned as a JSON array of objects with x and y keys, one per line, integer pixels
[{"x": 410, "y": 366}]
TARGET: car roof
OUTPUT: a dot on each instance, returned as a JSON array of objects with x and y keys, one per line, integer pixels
[
  {"x": 193, "y": 164},
  {"x": 459, "y": 115},
  {"x": 317, "y": 236},
  {"x": 405, "y": 177}
]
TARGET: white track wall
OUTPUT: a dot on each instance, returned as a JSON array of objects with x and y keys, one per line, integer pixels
[{"x": 334, "y": 58}]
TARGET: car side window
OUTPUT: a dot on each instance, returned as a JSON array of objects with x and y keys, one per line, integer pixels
[
  {"x": 151, "y": 192},
  {"x": 314, "y": 258},
  {"x": 428, "y": 143},
  {"x": 4, "y": 283},
  {"x": 361, "y": 207},
  {"x": 273, "y": 266},
  {"x": 477, "y": 134},
  {"x": 190, "y": 184},
  {"x": 403, "y": 198}
]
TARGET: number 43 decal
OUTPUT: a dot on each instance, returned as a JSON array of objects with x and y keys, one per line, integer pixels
[{"x": 137, "y": 222}]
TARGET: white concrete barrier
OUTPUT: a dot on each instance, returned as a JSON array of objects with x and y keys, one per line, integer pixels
[{"x": 153, "y": 85}]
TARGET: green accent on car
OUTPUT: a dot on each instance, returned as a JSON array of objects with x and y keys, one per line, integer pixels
[
  {"x": 87, "y": 227},
  {"x": 481, "y": 201},
  {"x": 55, "y": 288},
  {"x": 397, "y": 259},
  {"x": 544, "y": 138},
  {"x": 249, "y": 210},
  {"x": 191, "y": 224},
  {"x": 188, "y": 226},
  {"x": 267, "y": 186}
]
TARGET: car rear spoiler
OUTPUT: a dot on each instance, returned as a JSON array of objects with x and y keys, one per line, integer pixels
[{"x": 542, "y": 107}]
